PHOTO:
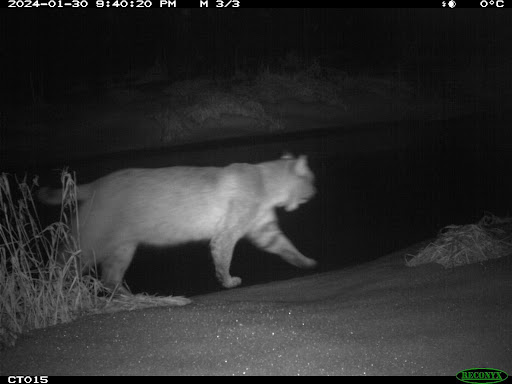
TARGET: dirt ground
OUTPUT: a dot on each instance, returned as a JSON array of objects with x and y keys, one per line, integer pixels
[{"x": 378, "y": 318}]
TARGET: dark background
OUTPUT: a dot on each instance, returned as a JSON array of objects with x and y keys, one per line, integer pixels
[{"x": 46, "y": 52}]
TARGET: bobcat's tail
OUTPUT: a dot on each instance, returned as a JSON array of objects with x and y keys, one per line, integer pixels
[{"x": 54, "y": 196}]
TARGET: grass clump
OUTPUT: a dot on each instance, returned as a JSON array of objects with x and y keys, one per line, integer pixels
[
  {"x": 458, "y": 245},
  {"x": 312, "y": 85},
  {"x": 38, "y": 286},
  {"x": 36, "y": 290}
]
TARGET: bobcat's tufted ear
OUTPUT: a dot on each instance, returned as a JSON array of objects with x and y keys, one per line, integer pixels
[{"x": 301, "y": 166}]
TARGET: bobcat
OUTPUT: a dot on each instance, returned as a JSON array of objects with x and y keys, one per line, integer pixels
[{"x": 170, "y": 206}]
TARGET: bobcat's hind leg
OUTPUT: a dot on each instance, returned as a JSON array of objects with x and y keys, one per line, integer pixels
[
  {"x": 222, "y": 252},
  {"x": 114, "y": 267},
  {"x": 223, "y": 243},
  {"x": 270, "y": 238}
]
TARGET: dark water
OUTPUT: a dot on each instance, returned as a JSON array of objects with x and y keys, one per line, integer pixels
[{"x": 381, "y": 187}]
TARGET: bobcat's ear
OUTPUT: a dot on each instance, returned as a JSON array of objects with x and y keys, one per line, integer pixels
[
  {"x": 301, "y": 165},
  {"x": 287, "y": 156}
]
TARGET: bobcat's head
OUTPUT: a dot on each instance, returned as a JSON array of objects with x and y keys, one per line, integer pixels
[{"x": 297, "y": 181}]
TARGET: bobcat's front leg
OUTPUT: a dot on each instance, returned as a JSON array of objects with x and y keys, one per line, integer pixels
[{"x": 270, "y": 238}]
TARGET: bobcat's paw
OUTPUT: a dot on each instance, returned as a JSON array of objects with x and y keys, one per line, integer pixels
[
  {"x": 310, "y": 263},
  {"x": 232, "y": 282}
]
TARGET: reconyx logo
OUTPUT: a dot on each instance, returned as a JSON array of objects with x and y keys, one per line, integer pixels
[{"x": 481, "y": 375}]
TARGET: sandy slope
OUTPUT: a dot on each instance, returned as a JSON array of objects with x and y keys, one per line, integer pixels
[{"x": 373, "y": 319}]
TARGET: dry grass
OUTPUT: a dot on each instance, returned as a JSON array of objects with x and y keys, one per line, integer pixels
[
  {"x": 212, "y": 105},
  {"x": 193, "y": 103},
  {"x": 129, "y": 302},
  {"x": 306, "y": 86},
  {"x": 37, "y": 289},
  {"x": 253, "y": 98},
  {"x": 458, "y": 245}
]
